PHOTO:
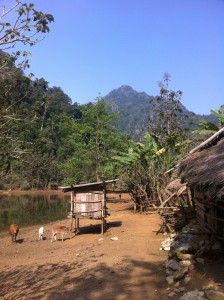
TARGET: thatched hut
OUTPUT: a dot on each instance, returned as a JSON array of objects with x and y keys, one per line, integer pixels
[{"x": 203, "y": 172}]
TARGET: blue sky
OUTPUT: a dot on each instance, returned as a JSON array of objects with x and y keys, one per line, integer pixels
[{"x": 95, "y": 46}]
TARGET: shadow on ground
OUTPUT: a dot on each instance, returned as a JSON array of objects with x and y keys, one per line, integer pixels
[
  {"x": 96, "y": 228},
  {"x": 73, "y": 281}
]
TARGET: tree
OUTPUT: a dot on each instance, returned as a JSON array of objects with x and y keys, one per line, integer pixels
[
  {"x": 20, "y": 25},
  {"x": 14, "y": 90},
  {"x": 166, "y": 120},
  {"x": 27, "y": 25},
  {"x": 89, "y": 142},
  {"x": 49, "y": 106},
  {"x": 101, "y": 136},
  {"x": 144, "y": 167}
]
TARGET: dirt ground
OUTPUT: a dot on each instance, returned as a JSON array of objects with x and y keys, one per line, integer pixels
[{"x": 90, "y": 266}]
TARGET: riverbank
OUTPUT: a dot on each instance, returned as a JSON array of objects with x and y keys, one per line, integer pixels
[{"x": 32, "y": 192}]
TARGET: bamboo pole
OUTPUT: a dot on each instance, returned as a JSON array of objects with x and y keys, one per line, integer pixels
[
  {"x": 71, "y": 213},
  {"x": 211, "y": 139}
]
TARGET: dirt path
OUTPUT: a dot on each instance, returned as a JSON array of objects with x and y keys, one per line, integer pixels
[{"x": 87, "y": 267}]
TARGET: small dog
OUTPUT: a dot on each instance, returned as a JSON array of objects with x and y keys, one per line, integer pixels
[
  {"x": 59, "y": 229},
  {"x": 41, "y": 233}
]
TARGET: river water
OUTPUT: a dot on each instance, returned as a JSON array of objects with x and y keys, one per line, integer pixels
[{"x": 27, "y": 210}]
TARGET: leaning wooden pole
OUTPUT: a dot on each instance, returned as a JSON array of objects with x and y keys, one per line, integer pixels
[{"x": 209, "y": 140}]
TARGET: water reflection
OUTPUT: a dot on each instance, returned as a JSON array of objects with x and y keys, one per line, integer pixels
[{"x": 29, "y": 210}]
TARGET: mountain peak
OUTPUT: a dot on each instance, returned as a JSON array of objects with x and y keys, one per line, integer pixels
[
  {"x": 126, "y": 87},
  {"x": 126, "y": 90}
]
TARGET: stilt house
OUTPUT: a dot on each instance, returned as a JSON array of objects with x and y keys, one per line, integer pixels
[{"x": 88, "y": 201}]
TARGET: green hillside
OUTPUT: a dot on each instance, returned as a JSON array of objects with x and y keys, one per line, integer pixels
[{"x": 135, "y": 108}]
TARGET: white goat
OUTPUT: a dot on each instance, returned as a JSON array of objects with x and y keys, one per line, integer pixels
[{"x": 41, "y": 233}]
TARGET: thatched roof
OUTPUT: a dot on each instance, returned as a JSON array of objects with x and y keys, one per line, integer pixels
[{"x": 204, "y": 170}]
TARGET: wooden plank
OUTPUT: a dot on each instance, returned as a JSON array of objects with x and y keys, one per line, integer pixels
[
  {"x": 181, "y": 190},
  {"x": 87, "y": 211},
  {"x": 85, "y": 202}
]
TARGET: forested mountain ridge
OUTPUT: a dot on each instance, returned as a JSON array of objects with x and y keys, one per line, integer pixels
[{"x": 135, "y": 109}]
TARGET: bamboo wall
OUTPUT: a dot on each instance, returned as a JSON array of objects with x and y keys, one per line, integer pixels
[
  {"x": 210, "y": 214},
  {"x": 88, "y": 205}
]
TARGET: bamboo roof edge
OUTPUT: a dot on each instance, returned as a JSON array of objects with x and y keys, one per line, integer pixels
[{"x": 92, "y": 184}]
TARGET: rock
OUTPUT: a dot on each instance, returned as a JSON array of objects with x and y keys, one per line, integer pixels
[
  {"x": 187, "y": 279},
  {"x": 202, "y": 293},
  {"x": 172, "y": 264},
  {"x": 170, "y": 280},
  {"x": 193, "y": 295},
  {"x": 185, "y": 263},
  {"x": 169, "y": 272},
  {"x": 180, "y": 273},
  {"x": 171, "y": 295},
  {"x": 185, "y": 248},
  {"x": 214, "y": 295},
  {"x": 200, "y": 260}
]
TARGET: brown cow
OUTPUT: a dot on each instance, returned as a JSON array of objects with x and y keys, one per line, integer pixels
[
  {"x": 59, "y": 229},
  {"x": 13, "y": 231}
]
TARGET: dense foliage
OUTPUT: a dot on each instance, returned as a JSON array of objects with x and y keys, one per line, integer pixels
[{"x": 45, "y": 138}]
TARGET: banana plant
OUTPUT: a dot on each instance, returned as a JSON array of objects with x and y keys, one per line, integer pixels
[
  {"x": 209, "y": 127},
  {"x": 143, "y": 168},
  {"x": 140, "y": 151}
]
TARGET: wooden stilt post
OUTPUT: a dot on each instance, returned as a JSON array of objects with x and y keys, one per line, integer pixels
[
  {"x": 77, "y": 224},
  {"x": 71, "y": 213},
  {"x": 103, "y": 222}
]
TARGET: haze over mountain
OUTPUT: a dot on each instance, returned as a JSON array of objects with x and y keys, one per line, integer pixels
[{"x": 135, "y": 108}]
